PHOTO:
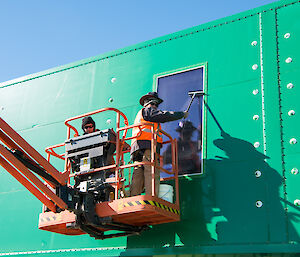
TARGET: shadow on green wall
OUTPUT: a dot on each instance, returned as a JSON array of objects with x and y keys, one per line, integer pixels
[{"x": 222, "y": 206}]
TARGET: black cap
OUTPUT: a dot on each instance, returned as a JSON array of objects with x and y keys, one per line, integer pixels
[
  {"x": 87, "y": 120},
  {"x": 150, "y": 95}
]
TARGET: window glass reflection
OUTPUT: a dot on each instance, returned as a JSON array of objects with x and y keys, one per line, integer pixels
[{"x": 174, "y": 89}]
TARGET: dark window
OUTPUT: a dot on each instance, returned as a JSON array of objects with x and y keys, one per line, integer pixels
[{"x": 174, "y": 89}]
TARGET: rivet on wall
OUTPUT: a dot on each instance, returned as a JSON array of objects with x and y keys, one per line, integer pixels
[
  {"x": 297, "y": 202},
  {"x": 293, "y": 141},
  {"x": 108, "y": 121},
  {"x": 291, "y": 113},
  {"x": 294, "y": 171},
  {"x": 290, "y": 85},
  {"x": 287, "y": 35},
  {"x": 289, "y": 60},
  {"x": 254, "y": 67},
  {"x": 256, "y": 144},
  {"x": 255, "y": 117},
  {"x": 255, "y": 91},
  {"x": 113, "y": 80},
  {"x": 259, "y": 204},
  {"x": 254, "y": 43},
  {"x": 111, "y": 100},
  {"x": 257, "y": 173}
]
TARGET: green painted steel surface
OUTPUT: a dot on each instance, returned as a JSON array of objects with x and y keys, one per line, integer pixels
[{"x": 219, "y": 208}]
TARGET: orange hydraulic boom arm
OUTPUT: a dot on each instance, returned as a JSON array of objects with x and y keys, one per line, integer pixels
[
  {"x": 19, "y": 159},
  {"x": 96, "y": 201}
]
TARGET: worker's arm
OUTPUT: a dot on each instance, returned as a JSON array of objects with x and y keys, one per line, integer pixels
[{"x": 155, "y": 115}]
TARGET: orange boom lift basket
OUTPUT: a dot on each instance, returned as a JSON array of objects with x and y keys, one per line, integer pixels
[{"x": 125, "y": 215}]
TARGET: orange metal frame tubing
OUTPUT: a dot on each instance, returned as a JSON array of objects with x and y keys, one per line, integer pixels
[
  {"x": 119, "y": 166},
  {"x": 153, "y": 162},
  {"x": 69, "y": 127},
  {"x": 89, "y": 114}
]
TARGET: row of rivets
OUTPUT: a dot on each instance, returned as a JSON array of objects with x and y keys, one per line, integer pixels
[
  {"x": 254, "y": 66},
  {"x": 293, "y": 141},
  {"x": 294, "y": 171},
  {"x": 257, "y": 173},
  {"x": 113, "y": 80},
  {"x": 289, "y": 59},
  {"x": 258, "y": 204},
  {"x": 255, "y": 117}
]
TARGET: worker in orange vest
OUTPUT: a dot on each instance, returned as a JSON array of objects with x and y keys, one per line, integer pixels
[{"x": 141, "y": 146}]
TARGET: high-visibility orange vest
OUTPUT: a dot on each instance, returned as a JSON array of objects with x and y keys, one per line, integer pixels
[{"x": 146, "y": 129}]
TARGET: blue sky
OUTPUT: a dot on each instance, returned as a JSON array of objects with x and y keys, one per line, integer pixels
[{"x": 40, "y": 34}]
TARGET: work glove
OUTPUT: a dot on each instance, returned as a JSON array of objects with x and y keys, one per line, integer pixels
[{"x": 186, "y": 114}]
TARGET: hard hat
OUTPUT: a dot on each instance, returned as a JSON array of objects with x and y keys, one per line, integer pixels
[{"x": 150, "y": 95}]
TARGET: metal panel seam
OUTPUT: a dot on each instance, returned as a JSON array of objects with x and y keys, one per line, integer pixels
[
  {"x": 63, "y": 251},
  {"x": 281, "y": 125},
  {"x": 285, "y": 5},
  {"x": 262, "y": 85}
]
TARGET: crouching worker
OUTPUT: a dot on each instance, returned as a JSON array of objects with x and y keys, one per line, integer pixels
[
  {"x": 141, "y": 146},
  {"x": 89, "y": 126}
]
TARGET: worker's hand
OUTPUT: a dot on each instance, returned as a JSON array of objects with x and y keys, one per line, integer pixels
[{"x": 186, "y": 114}]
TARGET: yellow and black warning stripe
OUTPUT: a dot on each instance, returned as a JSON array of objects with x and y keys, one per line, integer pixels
[{"x": 153, "y": 203}]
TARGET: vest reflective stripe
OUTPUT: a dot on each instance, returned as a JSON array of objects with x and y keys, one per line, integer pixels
[{"x": 146, "y": 129}]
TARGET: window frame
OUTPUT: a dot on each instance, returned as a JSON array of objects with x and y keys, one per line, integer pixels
[{"x": 157, "y": 76}]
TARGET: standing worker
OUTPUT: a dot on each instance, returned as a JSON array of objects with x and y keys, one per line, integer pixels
[{"x": 141, "y": 146}]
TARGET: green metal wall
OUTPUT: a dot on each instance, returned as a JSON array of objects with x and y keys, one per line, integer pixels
[{"x": 248, "y": 74}]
